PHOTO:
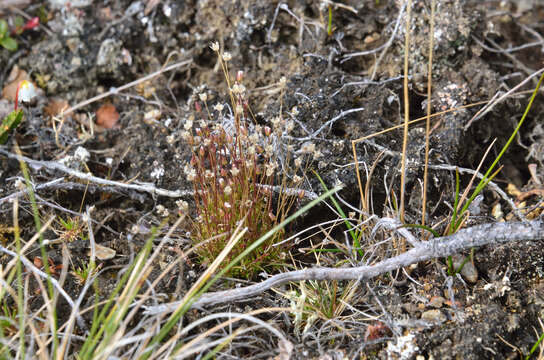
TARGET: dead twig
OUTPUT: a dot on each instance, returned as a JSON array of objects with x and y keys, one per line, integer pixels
[
  {"x": 53, "y": 165},
  {"x": 487, "y": 234}
]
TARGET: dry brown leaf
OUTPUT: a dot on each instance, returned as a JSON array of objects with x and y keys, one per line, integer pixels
[
  {"x": 103, "y": 253},
  {"x": 107, "y": 116},
  {"x": 55, "y": 107}
]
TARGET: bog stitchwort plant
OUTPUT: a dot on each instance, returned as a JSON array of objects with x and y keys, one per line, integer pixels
[{"x": 233, "y": 168}]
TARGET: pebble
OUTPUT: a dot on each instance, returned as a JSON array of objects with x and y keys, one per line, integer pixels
[{"x": 435, "y": 316}]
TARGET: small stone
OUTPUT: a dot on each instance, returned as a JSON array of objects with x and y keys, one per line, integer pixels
[
  {"x": 469, "y": 271},
  {"x": 435, "y": 316},
  {"x": 437, "y": 302}
]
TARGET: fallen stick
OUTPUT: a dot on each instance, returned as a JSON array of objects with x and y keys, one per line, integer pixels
[{"x": 487, "y": 234}]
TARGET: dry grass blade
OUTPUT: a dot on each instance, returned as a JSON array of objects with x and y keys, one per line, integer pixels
[
  {"x": 428, "y": 122},
  {"x": 190, "y": 348},
  {"x": 406, "y": 119},
  {"x": 189, "y": 296}
]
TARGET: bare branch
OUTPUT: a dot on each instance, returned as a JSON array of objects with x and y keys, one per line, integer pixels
[
  {"x": 53, "y": 165},
  {"x": 494, "y": 233}
]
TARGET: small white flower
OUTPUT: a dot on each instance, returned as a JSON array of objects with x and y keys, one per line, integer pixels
[
  {"x": 182, "y": 205},
  {"x": 185, "y": 135},
  {"x": 297, "y": 179},
  {"x": 228, "y": 190},
  {"x": 191, "y": 175},
  {"x": 214, "y": 46},
  {"x": 234, "y": 171},
  {"x": 188, "y": 125},
  {"x": 227, "y": 56},
  {"x": 203, "y": 97},
  {"x": 82, "y": 154},
  {"x": 254, "y": 138},
  {"x": 283, "y": 81},
  {"x": 26, "y": 91},
  {"x": 307, "y": 148},
  {"x": 219, "y": 107},
  {"x": 290, "y": 126},
  {"x": 298, "y": 162},
  {"x": 227, "y": 205},
  {"x": 157, "y": 172},
  {"x": 239, "y": 109},
  {"x": 162, "y": 211}
]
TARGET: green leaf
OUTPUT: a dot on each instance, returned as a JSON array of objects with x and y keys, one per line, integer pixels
[
  {"x": 9, "y": 43},
  {"x": 3, "y": 28},
  {"x": 9, "y": 123}
]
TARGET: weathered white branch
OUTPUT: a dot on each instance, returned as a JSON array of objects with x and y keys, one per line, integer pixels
[
  {"x": 110, "y": 185},
  {"x": 495, "y": 233}
]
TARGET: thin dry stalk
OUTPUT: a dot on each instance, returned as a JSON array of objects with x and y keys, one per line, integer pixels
[
  {"x": 428, "y": 122},
  {"x": 235, "y": 237},
  {"x": 163, "y": 69},
  {"x": 186, "y": 350},
  {"x": 406, "y": 119}
]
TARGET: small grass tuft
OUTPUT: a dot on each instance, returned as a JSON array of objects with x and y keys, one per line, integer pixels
[{"x": 233, "y": 168}]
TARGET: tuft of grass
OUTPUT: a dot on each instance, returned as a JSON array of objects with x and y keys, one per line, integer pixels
[{"x": 233, "y": 167}]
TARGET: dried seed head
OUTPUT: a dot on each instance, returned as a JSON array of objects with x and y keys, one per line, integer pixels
[
  {"x": 214, "y": 45},
  {"x": 289, "y": 126},
  {"x": 307, "y": 148}
]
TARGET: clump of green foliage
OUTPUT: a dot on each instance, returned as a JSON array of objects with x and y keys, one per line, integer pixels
[
  {"x": 9, "y": 123},
  {"x": 6, "y": 41}
]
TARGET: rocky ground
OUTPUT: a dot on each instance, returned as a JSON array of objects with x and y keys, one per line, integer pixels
[{"x": 344, "y": 81}]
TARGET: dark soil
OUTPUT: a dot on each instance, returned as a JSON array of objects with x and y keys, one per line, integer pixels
[{"x": 107, "y": 44}]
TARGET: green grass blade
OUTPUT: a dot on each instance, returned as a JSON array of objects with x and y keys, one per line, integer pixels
[
  {"x": 484, "y": 181},
  {"x": 424, "y": 227},
  {"x": 38, "y": 224},
  {"x": 351, "y": 231}
]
